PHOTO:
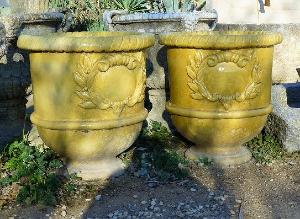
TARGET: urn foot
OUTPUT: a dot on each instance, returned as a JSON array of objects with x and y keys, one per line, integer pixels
[
  {"x": 237, "y": 157},
  {"x": 98, "y": 169}
]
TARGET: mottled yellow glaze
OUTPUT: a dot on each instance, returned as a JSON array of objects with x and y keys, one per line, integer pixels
[
  {"x": 88, "y": 95},
  {"x": 220, "y": 88}
]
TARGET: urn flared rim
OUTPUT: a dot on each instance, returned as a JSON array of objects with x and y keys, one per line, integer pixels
[
  {"x": 87, "y": 42},
  {"x": 221, "y": 39}
]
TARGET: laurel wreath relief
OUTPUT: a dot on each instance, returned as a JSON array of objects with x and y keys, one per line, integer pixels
[
  {"x": 87, "y": 70},
  {"x": 200, "y": 91}
]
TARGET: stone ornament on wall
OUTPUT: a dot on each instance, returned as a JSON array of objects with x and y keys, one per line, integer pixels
[
  {"x": 201, "y": 65},
  {"x": 90, "y": 92}
]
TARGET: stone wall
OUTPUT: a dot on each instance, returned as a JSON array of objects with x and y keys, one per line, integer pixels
[{"x": 15, "y": 72}]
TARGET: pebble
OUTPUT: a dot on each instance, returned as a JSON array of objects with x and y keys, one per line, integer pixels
[
  {"x": 135, "y": 196},
  {"x": 98, "y": 197},
  {"x": 193, "y": 190},
  {"x": 63, "y": 213},
  {"x": 232, "y": 212},
  {"x": 88, "y": 200},
  {"x": 152, "y": 184},
  {"x": 143, "y": 202},
  {"x": 238, "y": 201},
  {"x": 156, "y": 209},
  {"x": 153, "y": 202}
]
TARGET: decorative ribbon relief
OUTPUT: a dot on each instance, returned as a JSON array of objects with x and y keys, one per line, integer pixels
[
  {"x": 88, "y": 69},
  {"x": 195, "y": 71}
]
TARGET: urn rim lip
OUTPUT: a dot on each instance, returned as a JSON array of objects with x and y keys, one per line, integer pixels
[
  {"x": 87, "y": 42},
  {"x": 221, "y": 39}
]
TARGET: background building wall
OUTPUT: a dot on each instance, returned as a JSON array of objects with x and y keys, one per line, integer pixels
[{"x": 254, "y": 11}]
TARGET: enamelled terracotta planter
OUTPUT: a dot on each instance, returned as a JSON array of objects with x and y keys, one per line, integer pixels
[
  {"x": 220, "y": 90},
  {"x": 88, "y": 95}
]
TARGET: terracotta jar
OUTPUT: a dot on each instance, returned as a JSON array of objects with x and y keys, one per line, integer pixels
[
  {"x": 220, "y": 90},
  {"x": 88, "y": 95}
]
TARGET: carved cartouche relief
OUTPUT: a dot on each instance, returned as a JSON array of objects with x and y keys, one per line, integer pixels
[
  {"x": 113, "y": 81},
  {"x": 221, "y": 70}
]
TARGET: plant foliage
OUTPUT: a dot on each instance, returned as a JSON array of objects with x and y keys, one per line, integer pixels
[
  {"x": 34, "y": 170},
  {"x": 155, "y": 153},
  {"x": 265, "y": 148},
  {"x": 131, "y": 6}
]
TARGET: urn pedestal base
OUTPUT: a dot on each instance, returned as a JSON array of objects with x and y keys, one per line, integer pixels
[
  {"x": 97, "y": 169},
  {"x": 240, "y": 156}
]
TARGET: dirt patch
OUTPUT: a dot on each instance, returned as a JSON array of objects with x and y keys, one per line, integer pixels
[{"x": 251, "y": 190}]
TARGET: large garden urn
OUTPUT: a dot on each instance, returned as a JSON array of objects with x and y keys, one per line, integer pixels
[
  {"x": 88, "y": 95},
  {"x": 220, "y": 90}
]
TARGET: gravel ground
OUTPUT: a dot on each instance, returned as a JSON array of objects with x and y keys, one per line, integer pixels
[{"x": 246, "y": 191}]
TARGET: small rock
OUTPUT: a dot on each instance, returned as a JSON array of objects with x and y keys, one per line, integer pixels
[
  {"x": 232, "y": 212},
  {"x": 193, "y": 190},
  {"x": 161, "y": 203},
  {"x": 63, "y": 213},
  {"x": 238, "y": 201},
  {"x": 291, "y": 163},
  {"x": 135, "y": 196},
  {"x": 64, "y": 207},
  {"x": 153, "y": 202},
  {"x": 88, "y": 200},
  {"x": 143, "y": 202},
  {"x": 98, "y": 197}
]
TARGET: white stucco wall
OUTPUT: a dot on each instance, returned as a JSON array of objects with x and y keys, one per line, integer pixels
[{"x": 254, "y": 11}]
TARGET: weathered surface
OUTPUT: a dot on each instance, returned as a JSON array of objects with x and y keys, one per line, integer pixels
[
  {"x": 157, "y": 70},
  {"x": 30, "y": 6},
  {"x": 158, "y": 100},
  {"x": 284, "y": 123},
  {"x": 159, "y": 23},
  {"x": 13, "y": 80},
  {"x": 286, "y": 55},
  {"x": 14, "y": 68}
]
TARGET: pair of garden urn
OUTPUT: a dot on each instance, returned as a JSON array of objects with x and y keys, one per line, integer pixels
[{"x": 89, "y": 93}]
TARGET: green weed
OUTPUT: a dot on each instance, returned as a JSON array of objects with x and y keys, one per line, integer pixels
[
  {"x": 88, "y": 14},
  {"x": 265, "y": 148},
  {"x": 205, "y": 161},
  {"x": 36, "y": 172},
  {"x": 156, "y": 152}
]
